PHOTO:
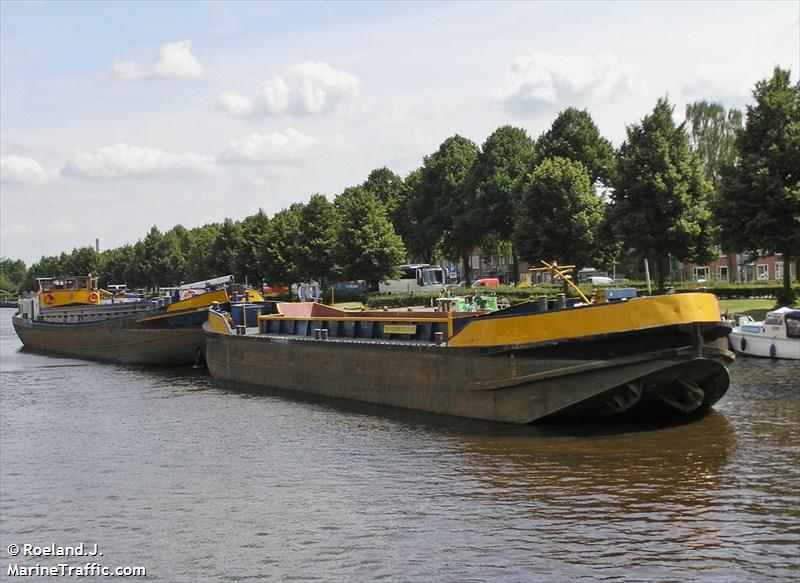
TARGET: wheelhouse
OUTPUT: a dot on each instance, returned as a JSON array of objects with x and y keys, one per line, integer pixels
[{"x": 67, "y": 290}]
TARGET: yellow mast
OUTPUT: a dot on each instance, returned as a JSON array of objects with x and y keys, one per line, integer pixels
[{"x": 562, "y": 271}]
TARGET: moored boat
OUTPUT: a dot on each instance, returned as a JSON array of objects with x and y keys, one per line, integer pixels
[
  {"x": 530, "y": 362},
  {"x": 778, "y": 336},
  {"x": 68, "y": 317}
]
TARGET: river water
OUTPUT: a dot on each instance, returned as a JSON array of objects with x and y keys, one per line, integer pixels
[{"x": 197, "y": 480}]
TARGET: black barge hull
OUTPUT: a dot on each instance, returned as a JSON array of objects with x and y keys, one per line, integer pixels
[
  {"x": 518, "y": 384},
  {"x": 122, "y": 340}
]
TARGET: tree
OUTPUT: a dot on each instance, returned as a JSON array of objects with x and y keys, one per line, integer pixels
[
  {"x": 226, "y": 250},
  {"x": 498, "y": 174},
  {"x": 115, "y": 266},
  {"x": 759, "y": 204},
  {"x": 313, "y": 248},
  {"x": 389, "y": 189},
  {"x": 660, "y": 202},
  {"x": 712, "y": 130},
  {"x": 366, "y": 245},
  {"x": 12, "y": 275},
  {"x": 277, "y": 250},
  {"x": 199, "y": 265},
  {"x": 444, "y": 201},
  {"x": 575, "y": 136},
  {"x": 559, "y": 214},
  {"x": 409, "y": 214},
  {"x": 51, "y": 266},
  {"x": 254, "y": 232}
]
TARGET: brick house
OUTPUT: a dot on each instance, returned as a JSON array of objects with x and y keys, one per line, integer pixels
[{"x": 739, "y": 268}]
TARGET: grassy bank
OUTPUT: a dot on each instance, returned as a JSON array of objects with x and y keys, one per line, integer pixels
[{"x": 756, "y": 308}]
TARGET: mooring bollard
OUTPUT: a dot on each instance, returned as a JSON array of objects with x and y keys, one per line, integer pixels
[
  {"x": 438, "y": 337},
  {"x": 323, "y": 333},
  {"x": 562, "y": 301},
  {"x": 542, "y": 303}
]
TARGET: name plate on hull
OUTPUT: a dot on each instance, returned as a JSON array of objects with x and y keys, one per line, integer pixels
[{"x": 399, "y": 328}]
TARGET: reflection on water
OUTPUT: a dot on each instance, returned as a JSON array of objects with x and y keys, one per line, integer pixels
[{"x": 201, "y": 480}]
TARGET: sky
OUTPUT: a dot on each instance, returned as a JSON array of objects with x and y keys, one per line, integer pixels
[{"x": 117, "y": 116}]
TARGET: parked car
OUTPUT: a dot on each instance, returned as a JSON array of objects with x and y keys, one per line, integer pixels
[
  {"x": 599, "y": 280},
  {"x": 486, "y": 282}
]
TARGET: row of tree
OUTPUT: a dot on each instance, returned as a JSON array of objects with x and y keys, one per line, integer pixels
[{"x": 670, "y": 191}]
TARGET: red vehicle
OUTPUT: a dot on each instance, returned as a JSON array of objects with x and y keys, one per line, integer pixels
[
  {"x": 273, "y": 291},
  {"x": 486, "y": 282}
]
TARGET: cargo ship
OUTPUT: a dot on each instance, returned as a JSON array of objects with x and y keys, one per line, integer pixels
[
  {"x": 71, "y": 316},
  {"x": 531, "y": 362}
]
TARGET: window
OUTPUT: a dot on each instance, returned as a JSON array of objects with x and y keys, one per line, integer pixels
[
  {"x": 779, "y": 271},
  {"x": 722, "y": 273},
  {"x": 762, "y": 272},
  {"x": 700, "y": 273},
  {"x": 475, "y": 261}
]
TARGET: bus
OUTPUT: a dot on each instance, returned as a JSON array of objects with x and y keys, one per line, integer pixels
[{"x": 413, "y": 278}]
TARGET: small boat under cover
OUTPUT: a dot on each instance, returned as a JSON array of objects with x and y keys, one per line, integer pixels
[
  {"x": 534, "y": 361},
  {"x": 778, "y": 336}
]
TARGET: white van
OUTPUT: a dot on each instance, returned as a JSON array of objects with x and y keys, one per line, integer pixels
[{"x": 599, "y": 280}]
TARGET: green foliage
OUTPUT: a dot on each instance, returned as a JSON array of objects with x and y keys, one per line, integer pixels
[
  {"x": 390, "y": 190},
  {"x": 83, "y": 261},
  {"x": 660, "y": 202},
  {"x": 198, "y": 254},
  {"x": 255, "y": 229},
  {"x": 559, "y": 214},
  {"x": 225, "y": 256},
  {"x": 497, "y": 177},
  {"x": 446, "y": 200},
  {"x": 500, "y": 168},
  {"x": 313, "y": 248},
  {"x": 712, "y": 130},
  {"x": 12, "y": 276},
  {"x": 116, "y": 266},
  {"x": 277, "y": 263},
  {"x": 409, "y": 217},
  {"x": 158, "y": 259},
  {"x": 366, "y": 245},
  {"x": 759, "y": 203},
  {"x": 575, "y": 136}
]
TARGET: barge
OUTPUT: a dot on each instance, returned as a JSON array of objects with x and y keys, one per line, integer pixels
[
  {"x": 531, "y": 362},
  {"x": 70, "y": 317}
]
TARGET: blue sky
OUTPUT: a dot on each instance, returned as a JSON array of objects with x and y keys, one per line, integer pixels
[{"x": 117, "y": 116}]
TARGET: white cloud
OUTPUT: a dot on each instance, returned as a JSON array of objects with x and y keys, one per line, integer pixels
[
  {"x": 548, "y": 79},
  {"x": 61, "y": 227},
  {"x": 125, "y": 161},
  {"x": 307, "y": 88},
  {"x": 23, "y": 171},
  {"x": 269, "y": 148},
  {"x": 174, "y": 60},
  {"x": 235, "y": 104}
]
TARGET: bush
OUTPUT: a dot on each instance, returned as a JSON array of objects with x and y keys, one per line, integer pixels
[{"x": 787, "y": 297}]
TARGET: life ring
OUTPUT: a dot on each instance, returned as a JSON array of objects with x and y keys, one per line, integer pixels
[
  {"x": 93, "y": 297},
  {"x": 49, "y": 299},
  {"x": 187, "y": 293}
]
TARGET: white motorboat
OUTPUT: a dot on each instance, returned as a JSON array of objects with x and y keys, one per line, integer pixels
[{"x": 778, "y": 336}]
